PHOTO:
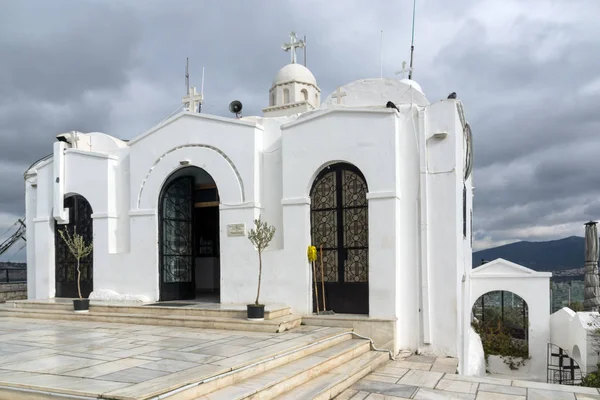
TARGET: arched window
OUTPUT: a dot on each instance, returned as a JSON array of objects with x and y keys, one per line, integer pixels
[
  {"x": 286, "y": 96},
  {"x": 304, "y": 94},
  {"x": 273, "y": 98},
  {"x": 316, "y": 99}
]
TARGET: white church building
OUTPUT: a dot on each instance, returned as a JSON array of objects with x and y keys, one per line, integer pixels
[{"x": 384, "y": 188}]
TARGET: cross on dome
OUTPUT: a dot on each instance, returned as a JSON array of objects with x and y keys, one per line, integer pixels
[
  {"x": 294, "y": 42},
  {"x": 192, "y": 99},
  {"x": 338, "y": 95},
  {"x": 404, "y": 70}
]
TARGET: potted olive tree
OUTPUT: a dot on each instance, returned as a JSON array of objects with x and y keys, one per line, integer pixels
[
  {"x": 79, "y": 249},
  {"x": 260, "y": 237}
]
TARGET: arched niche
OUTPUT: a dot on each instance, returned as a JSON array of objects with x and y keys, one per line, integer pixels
[{"x": 65, "y": 263}]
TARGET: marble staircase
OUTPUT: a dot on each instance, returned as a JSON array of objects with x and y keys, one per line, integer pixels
[
  {"x": 194, "y": 315},
  {"x": 321, "y": 372}
]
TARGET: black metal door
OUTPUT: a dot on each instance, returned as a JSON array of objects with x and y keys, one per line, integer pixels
[
  {"x": 80, "y": 221},
  {"x": 176, "y": 250},
  {"x": 340, "y": 223}
]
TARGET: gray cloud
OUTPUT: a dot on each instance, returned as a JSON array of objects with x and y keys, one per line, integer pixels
[{"x": 524, "y": 70}]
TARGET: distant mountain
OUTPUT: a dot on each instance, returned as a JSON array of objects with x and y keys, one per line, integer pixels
[{"x": 554, "y": 255}]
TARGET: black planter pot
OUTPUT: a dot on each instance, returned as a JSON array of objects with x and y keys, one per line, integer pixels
[
  {"x": 81, "y": 305},
  {"x": 256, "y": 312}
]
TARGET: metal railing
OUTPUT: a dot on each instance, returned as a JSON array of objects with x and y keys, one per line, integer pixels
[{"x": 13, "y": 275}]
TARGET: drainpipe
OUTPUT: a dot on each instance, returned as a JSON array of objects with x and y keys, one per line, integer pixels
[
  {"x": 424, "y": 228},
  {"x": 60, "y": 214}
]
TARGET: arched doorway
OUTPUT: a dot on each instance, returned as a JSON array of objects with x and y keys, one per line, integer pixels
[
  {"x": 339, "y": 223},
  {"x": 501, "y": 318},
  {"x": 80, "y": 221},
  {"x": 189, "y": 264}
]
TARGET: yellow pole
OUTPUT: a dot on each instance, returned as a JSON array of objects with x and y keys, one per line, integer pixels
[
  {"x": 316, "y": 292},
  {"x": 323, "y": 280}
]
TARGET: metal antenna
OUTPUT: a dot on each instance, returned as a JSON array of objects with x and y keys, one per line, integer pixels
[
  {"x": 201, "y": 93},
  {"x": 187, "y": 75},
  {"x": 412, "y": 42},
  {"x": 305, "y": 50},
  {"x": 381, "y": 56}
]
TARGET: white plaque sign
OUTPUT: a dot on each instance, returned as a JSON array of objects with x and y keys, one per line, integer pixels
[{"x": 236, "y": 230}]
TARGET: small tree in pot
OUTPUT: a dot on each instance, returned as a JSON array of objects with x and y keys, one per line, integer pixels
[
  {"x": 260, "y": 237},
  {"x": 79, "y": 249}
]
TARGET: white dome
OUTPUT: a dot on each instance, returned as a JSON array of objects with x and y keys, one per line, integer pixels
[
  {"x": 413, "y": 84},
  {"x": 294, "y": 72}
]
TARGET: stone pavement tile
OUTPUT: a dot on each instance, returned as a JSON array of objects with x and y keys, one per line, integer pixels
[
  {"x": 69, "y": 384},
  {"x": 390, "y": 370},
  {"x": 447, "y": 361},
  {"x": 7, "y": 348},
  {"x": 134, "y": 352},
  {"x": 381, "y": 378},
  {"x": 102, "y": 357},
  {"x": 587, "y": 397},
  {"x": 52, "y": 364},
  {"x": 421, "y": 359},
  {"x": 540, "y": 394},
  {"x": 421, "y": 378},
  {"x": 181, "y": 356},
  {"x": 169, "y": 365},
  {"x": 478, "y": 379},
  {"x": 26, "y": 356},
  {"x": 359, "y": 395},
  {"x": 133, "y": 375},
  {"x": 498, "y": 396},
  {"x": 486, "y": 387},
  {"x": 390, "y": 389},
  {"x": 245, "y": 341},
  {"x": 377, "y": 396},
  {"x": 457, "y": 386},
  {"x": 432, "y": 394},
  {"x": 224, "y": 350},
  {"x": 411, "y": 365},
  {"x": 106, "y": 368},
  {"x": 447, "y": 369},
  {"x": 145, "y": 357},
  {"x": 555, "y": 388}
]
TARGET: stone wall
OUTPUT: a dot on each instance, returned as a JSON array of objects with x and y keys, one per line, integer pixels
[{"x": 13, "y": 291}]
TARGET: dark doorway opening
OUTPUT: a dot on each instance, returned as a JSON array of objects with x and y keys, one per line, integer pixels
[
  {"x": 80, "y": 221},
  {"x": 189, "y": 248},
  {"x": 339, "y": 223}
]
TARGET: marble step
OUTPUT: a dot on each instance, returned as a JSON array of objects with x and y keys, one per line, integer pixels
[
  {"x": 276, "y": 325},
  {"x": 274, "y": 382},
  {"x": 194, "y": 309},
  {"x": 332, "y": 383}
]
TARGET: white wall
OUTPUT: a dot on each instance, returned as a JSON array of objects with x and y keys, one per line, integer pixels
[
  {"x": 572, "y": 332},
  {"x": 447, "y": 246},
  {"x": 367, "y": 139}
]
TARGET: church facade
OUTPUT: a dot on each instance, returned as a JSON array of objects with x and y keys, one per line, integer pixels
[{"x": 383, "y": 190}]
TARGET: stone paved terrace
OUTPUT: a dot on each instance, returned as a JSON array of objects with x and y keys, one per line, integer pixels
[
  {"x": 137, "y": 361},
  {"x": 428, "y": 378},
  {"x": 126, "y": 360}
]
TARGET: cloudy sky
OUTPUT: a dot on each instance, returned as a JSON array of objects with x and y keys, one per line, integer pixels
[{"x": 528, "y": 73}]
